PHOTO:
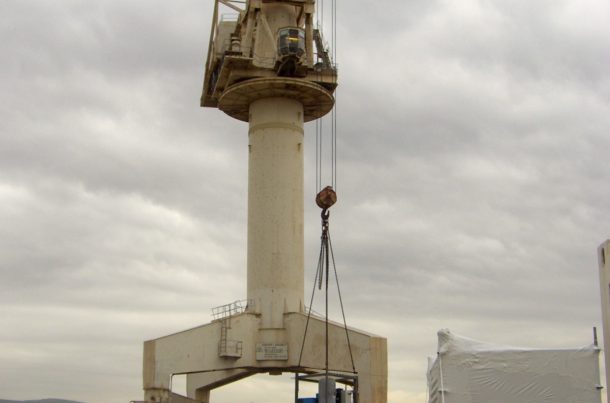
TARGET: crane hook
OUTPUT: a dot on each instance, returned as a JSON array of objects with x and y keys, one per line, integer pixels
[{"x": 326, "y": 198}]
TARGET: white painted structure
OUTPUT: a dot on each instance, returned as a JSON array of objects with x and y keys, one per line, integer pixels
[
  {"x": 263, "y": 68},
  {"x": 470, "y": 371},
  {"x": 603, "y": 253},
  {"x": 275, "y": 209}
]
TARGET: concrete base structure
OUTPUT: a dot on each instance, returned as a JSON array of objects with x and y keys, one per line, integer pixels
[
  {"x": 195, "y": 352},
  {"x": 267, "y": 337}
]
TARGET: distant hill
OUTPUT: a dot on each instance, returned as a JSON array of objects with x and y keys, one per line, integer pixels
[{"x": 39, "y": 401}]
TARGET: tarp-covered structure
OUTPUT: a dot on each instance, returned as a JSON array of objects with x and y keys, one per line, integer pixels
[{"x": 469, "y": 371}]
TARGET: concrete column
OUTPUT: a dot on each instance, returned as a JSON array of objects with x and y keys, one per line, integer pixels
[
  {"x": 203, "y": 395},
  {"x": 604, "y": 282},
  {"x": 275, "y": 209}
]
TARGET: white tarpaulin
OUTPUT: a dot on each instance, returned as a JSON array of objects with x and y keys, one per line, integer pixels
[{"x": 469, "y": 371}]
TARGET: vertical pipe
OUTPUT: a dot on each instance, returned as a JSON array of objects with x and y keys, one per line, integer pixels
[{"x": 604, "y": 283}]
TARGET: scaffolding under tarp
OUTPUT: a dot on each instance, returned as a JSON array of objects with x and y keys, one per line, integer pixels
[{"x": 469, "y": 371}]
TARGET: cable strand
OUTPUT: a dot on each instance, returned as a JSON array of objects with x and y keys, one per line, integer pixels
[
  {"x": 349, "y": 344},
  {"x": 313, "y": 292}
]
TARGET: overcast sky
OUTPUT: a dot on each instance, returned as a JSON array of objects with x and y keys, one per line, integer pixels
[{"x": 473, "y": 182}]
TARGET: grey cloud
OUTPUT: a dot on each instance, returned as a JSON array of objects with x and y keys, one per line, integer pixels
[{"x": 472, "y": 183}]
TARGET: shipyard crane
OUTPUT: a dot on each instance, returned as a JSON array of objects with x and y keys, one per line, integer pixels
[{"x": 267, "y": 65}]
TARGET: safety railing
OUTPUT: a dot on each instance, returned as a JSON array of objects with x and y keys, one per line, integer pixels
[{"x": 227, "y": 310}]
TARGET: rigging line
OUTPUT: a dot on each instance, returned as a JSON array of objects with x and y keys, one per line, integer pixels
[
  {"x": 334, "y": 111},
  {"x": 323, "y": 253},
  {"x": 332, "y": 145},
  {"x": 336, "y": 134},
  {"x": 321, "y": 151},
  {"x": 325, "y": 243},
  {"x": 349, "y": 344},
  {"x": 317, "y": 156},
  {"x": 313, "y": 292},
  {"x": 334, "y": 28}
]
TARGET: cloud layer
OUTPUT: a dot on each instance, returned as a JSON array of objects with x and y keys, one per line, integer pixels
[{"x": 472, "y": 178}]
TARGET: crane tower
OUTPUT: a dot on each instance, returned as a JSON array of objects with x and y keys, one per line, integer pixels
[{"x": 267, "y": 65}]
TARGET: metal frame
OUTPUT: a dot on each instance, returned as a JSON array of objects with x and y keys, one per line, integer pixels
[{"x": 348, "y": 379}]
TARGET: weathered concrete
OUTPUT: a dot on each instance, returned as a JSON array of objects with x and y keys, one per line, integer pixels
[
  {"x": 243, "y": 78},
  {"x": 189, "y": 352},
  {"x": 275, "y": 209}
]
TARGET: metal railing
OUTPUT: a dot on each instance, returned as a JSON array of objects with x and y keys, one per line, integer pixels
[{"x": 230, "y": 309}]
